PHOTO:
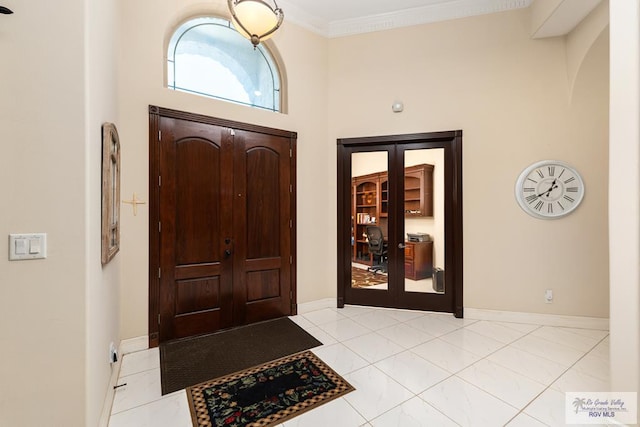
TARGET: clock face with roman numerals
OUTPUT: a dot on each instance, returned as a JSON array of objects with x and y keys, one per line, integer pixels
[{"x": 549, "y": 189}]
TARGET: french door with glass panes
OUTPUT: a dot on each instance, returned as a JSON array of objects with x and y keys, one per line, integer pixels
[{"x": 400, "y": 221}]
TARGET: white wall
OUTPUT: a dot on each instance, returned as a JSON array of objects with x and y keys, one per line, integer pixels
[
  {"x": 42, "y": 188},
  {"x": 624, "y": 196},
  {"x": 511, "y": 97}
]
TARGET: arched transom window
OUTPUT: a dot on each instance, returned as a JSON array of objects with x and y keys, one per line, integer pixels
[{"x": 207, "y": 56}]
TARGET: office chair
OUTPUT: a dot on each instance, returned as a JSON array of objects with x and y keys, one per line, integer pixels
[{"x": 378, "y": 248}]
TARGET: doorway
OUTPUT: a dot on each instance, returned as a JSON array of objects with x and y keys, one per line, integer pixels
[
  {"x": 400, "y": 221},
  {"x": 221, "y": 225}
]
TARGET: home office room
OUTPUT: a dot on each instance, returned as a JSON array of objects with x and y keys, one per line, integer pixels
[
  {"x": 413, "y": 118},
  {"x": 423, "y": 212}
]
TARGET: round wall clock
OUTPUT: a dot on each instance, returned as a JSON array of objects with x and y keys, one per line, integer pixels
[{"x": 549, "y": 189}]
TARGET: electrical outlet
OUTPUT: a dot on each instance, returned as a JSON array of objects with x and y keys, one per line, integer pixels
[
  {"x": 113, "y": 353},
  {"x": 548, "y": 296}
]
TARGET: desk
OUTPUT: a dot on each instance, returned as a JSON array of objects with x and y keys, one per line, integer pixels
[{"x": 418, "y": 260}]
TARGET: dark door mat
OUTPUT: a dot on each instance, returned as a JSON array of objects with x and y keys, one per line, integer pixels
[{"x": 190, "y": 361}]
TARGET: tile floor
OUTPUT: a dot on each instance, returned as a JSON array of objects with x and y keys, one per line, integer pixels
[{"x": 413, "y": 369}]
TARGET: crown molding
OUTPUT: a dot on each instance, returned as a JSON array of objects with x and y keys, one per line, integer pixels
[
  {"x": 423, "y": 15},
  {"x": 297, "y": 15},
  {"x": 402, "y": 18}
]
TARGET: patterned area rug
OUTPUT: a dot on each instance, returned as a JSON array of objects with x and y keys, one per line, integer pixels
[
  {"x": 361, "y": 278},
  {"x": 266, "y": 395}
]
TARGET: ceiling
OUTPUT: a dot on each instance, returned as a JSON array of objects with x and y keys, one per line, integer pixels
[{"x": 335, "y": 18}]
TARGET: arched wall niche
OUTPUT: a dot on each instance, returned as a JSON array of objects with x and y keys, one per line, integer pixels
[{"x": 581, "y": 41}]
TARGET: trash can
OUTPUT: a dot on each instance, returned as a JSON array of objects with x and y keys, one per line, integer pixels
[{"x": 438, "y": 279}]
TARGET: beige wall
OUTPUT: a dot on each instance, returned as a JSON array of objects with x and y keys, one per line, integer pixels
[
  {"x": 145, "y": 24},
  {"x": 625, "y": 196},
  {"x": 510, "y": 96},
  {"x": 582, "y": 38},
  {"x": 484, "y": 75},
  {"x": 58, "y": 315},
  {"x": 102, "y": 283},
  {"x": 42, "y": 187}
]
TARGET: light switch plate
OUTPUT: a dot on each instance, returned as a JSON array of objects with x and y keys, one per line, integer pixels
[{"x": 27, "y": 246}]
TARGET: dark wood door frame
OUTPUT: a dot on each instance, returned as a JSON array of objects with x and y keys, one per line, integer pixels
[
  {"x": 155, "y": 114},
  {"x": 451, "y": 141}
]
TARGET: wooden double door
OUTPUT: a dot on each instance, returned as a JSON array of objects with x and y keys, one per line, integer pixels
[{"x": 221, "y": 224}]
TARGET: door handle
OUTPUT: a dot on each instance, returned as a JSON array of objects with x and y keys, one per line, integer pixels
[
  {"x": 401, "y": 246},
  {"x": 227, "y": 253}
]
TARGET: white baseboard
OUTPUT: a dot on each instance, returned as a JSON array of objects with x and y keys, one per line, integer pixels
[
  {"x": 126, "y": 346},
  {"x": 538, "y": 319},
  {"x": 308, "y": 307},
  {"x": 580, "y": 322},
  {"x": 108, "y": 399},
  {"x": 134, "y": 344}
]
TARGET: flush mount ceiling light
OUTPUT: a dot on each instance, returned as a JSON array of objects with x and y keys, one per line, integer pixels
[{"x": 256, "y": 20}]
